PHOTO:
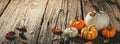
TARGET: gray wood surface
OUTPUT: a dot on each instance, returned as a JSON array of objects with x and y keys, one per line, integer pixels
[
  {"x": 3, "y": 5},
  {"x": 41, "y": 16}
]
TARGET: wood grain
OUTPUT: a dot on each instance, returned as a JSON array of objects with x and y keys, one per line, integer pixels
[
  {"x": 3, "y": 5},
  {"x": 58, "y": 15},
  {"x": 41, "y": 16},
  {"x": 23, "y": 12}
]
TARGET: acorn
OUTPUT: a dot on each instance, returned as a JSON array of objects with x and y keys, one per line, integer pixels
[
  {"x": 57, "y": 31},
  {"x": 21, "y": 28},
  {"x": 10, "y": 35}
]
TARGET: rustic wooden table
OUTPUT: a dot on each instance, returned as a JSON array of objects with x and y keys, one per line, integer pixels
[{"x": 41, "y": 16}]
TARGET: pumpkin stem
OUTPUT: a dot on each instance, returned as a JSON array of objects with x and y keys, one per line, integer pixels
[
  {"x": 110, "y": 26},
  {"x": 90, "y": 28},
  {"x": 79, "y": 18}
]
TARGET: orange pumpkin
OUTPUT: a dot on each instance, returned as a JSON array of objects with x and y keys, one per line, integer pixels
[
  {"x": 109, "y": 32},
  {"x": 89, "y": 32},
  {"x": 79, "y": 23}
]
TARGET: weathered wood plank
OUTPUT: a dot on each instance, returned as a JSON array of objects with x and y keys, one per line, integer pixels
[
  {"x": 3, "y": 5},
  {"x": 24, "y": 12},
  {"x": 41, "y": 16},
  {"x": 45, "y": 33},
  {"x": 9, "y": 21},
  {"x": 37, "y": 12},
  {"x": 118, "y": 4},
  {"x": 61, "y": 13}
]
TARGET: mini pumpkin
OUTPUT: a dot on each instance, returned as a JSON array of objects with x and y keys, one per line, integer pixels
[
  {"x": 70, "y": 32},
  {"x": 89, "y": 32},
  {"x": 79, "y": 23},
  {"x": 109, "y": 32}
]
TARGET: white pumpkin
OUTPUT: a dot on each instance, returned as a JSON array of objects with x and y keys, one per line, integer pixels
[
  {"x": 70, "y": 32},
  {"x": 98, "y": 19}
]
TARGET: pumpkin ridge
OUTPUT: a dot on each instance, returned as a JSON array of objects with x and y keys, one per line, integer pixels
[
  {"x": 91, "y": 36},
  {"x": 89, "y": 32},
  {"x": 86, "y": 34}
]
